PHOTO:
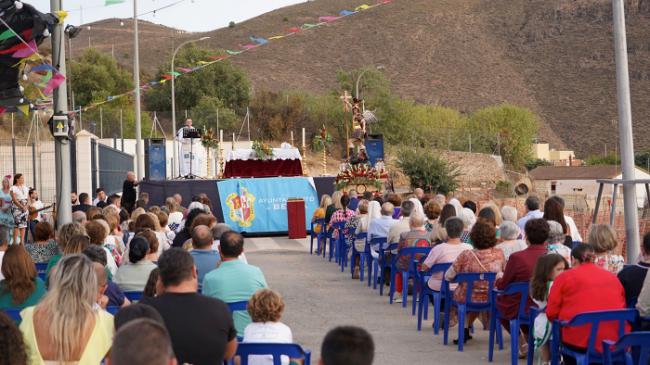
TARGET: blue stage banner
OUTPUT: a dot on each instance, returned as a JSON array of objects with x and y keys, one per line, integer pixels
[{"x": 260, "y": 205}]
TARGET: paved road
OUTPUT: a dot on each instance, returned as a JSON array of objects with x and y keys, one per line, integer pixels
[{"x": 319, "y": 297}]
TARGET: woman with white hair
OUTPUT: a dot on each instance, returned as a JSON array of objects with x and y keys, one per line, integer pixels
[
  {"x": 68, "y": 326},
  {"x": 509, "y": 213},
  {"x": 358, "y": 224},
  {"x": 469, "y": 219},
  {"x": 417, "y": 205},
  {"x": 555, "y": 241},
  {"x": 509, "y": 242}
]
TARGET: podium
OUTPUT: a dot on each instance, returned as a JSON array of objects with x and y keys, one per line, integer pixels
[{"x": 296, "y": 218}]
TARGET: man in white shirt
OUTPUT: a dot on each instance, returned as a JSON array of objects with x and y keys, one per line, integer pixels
[
  {"x": 532, "y": 212},
  {"x": 100, "y": 197},
  {"x": 402, "y": 224},
  {"x": 379, "y": 227}
]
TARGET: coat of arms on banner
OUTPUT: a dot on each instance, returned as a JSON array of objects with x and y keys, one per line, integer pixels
[{"x": 242, "y": 210}]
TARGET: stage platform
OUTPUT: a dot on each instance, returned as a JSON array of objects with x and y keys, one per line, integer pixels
[{"x": 159, "y": 190}]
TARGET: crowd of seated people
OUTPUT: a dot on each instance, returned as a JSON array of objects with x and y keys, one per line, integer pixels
[{"x": 541, "y": 247}]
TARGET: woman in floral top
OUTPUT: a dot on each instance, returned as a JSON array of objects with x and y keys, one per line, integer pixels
[
  {"x": 6, "y": 219},
  {"x": 603, "y": 239},
  {"x": 45, "y": 246},
  {"x": 485, "y": 257},
  {"x": 342, "y": 215}
]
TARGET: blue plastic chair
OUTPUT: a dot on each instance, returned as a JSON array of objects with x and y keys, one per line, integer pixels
[
  {"x": 312, "y": 234},
  {"x": 276, "y": 350},
  {"x": 522, "y": 318},
  {"x": 112, "y": 309},
  {"x": 41, "y": 268},
  {"x": 13, "y": 314},
  {"x": 379, "y": 242},
  {"x": 436, "y": 296},
  {"x": 133, "y": 296},
  {"x": 360, "y": 255},
  {"x": 334, "y": 242},
  {"x": 413, "y": 255},
  {"x": 639, "y": 342},
  {"x": 381, "y": 264},
  {"x": 343, "y": 248},
  {"x": 469, "y": 306},
  {"x": 589, "y": 318},
  {"x": 534, "y": 312}
]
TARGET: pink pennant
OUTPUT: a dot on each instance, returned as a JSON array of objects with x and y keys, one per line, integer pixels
[
  {"x": 327, "y": 18},
  {"x": 184, "y": 69},
  {"x": 2, "y": 110},
  {"x": 54, "y": 82},
  {"x": 217, "y": 58},
  {"x": 26, "y": 51},
  {"x": 248, "y": 46}
]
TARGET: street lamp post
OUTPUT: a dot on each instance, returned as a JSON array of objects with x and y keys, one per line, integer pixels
[
  {"x": 139, "y": 158},
  {"x": 175, "y": 147},
  {"x": 356, "y": 93}
]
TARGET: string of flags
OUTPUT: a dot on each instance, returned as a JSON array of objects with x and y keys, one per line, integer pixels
[
  {"x": 50, "y": 78},
  {"x": 255, "y": 42}
]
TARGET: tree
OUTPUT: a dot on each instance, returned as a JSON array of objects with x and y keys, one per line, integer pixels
[
  {"x": 221, "y": 80},
  {"x": 505, "y": 129},
  {"x": 96, "y": 76},
  {"x": 608, "y": 159},
  {"x": 427, "y": 171},
  {"x": 205, "y": 114}
]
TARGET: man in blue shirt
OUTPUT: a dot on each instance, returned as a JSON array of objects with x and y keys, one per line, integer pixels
[
  {"x": 532, "y": 212},
  {"x": 234, "y": 280},
  {"x": 205, "y": 258},
  {"x": 354, "y": 200}
]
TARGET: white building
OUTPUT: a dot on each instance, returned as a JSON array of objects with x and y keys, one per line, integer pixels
[{"x": 581, "y": 180}]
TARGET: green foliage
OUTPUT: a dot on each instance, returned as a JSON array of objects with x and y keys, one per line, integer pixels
[
  {"x": 279, "y": 114},
  {"x": 285, "y": 19},
  {"x": 608, "y": 159},
  {"x": 506, "y": 129},
  {"x": 221, "y": 80},
  {"x": 642, "y": 159},
  {"x": 96, "y": 75},
  {"x": 205, "y": 113},
  {"x": 427, "y": 171},
  {"x": 110, "y": 121},
  {"x": 533, "y": 163},
  {"x": 504, "y": 188},
  {"x": 231, "y": 24}
]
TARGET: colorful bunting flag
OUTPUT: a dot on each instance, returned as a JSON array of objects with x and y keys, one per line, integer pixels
[
  {"x": 42, "y": 67},
  {"x": 362, "y": 7},
  {"x": 184, "y": 69},
  {"x": 259, "y": 40},
  {"x": 167, "y": 76},
  {"x": 7, "y": 34},
  {"x": 54, "y": 82},
  {"x": 309, "y": 26},
  {"x": 216, "y": 58},
  {"x": 113, "y": 2},
  {"x": 232, "y": 53},
  {"x": 2, "y": 109},
  {"x": 328, "y": 18},
  {"x": 276, "y": 37},
  {"x": 24, "y": 109},
  {"x": 26, "y": 50},
  {"x": 293, "y": 30},
  {"x": 346, "y": 12},
  {"x": 247, "y": 46}
]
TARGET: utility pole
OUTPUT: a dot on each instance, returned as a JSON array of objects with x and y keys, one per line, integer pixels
[
  {"x": 61, "y": 144},
  {"x": 139, "y": 170},
  {"x": 625, "y": 132}
]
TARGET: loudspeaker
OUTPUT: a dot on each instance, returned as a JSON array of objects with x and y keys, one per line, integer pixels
[
  {"x": 155, "y": 160},
  {"x": 375, "y": 147}
]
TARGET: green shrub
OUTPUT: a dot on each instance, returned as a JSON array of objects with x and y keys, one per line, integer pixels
[
  {"x": 608, "y": 159},
  {"x": 231, "y": 24},
  {"x": 428, "y": 171},
  {"x": 504, "y": 188},
  {"x": 534, "y": 163}
]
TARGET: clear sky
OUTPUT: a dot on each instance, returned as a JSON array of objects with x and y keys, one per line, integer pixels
[{"x": 190, "y": 15}]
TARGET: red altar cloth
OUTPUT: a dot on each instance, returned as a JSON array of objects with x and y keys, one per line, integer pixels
[{"x": 262, "y": 168}]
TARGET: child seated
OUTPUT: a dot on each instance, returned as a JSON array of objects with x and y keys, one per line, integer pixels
[{"x": 265, "y": 308}]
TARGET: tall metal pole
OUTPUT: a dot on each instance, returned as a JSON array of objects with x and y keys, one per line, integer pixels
[
  {"x": 139, "y": 173},
  {"x": 175, "y": 146},
  {"x": 625, "y": 132},
  {"x": 61, "y": 145}
]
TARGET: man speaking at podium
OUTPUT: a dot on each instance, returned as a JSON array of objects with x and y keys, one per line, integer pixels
[{"x": 189, "y": 152}]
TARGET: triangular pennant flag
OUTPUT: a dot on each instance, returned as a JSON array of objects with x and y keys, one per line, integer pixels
[
  {"x": 7, "y": 34},
  {"x": 217, "y": 58},
  {"x": 47, "y": 77},
  {"x": 293, "y": 30},
  {"x": 176, "y": 73},
  {"x": 184, "y": 69},
  {"x": 43, "y": 67},
  {"x": 308, "y": 26},
  {"x": 259, "y": 40},
  {"x": 162, "y": 81},
  {"x": 2, "y": 109},
  {"x": 26, "y": 50},
  {"x": 346, "y": 12},
  {"x": 277, "y": 37},
  {"x": 232, "y": 53},
  {"x": 362, "y": 7},
  {"x": 113, "y": 2},
  {"x": 248, "y": 46},
  {"x": 167, "y": 76},
  {"x": 54, "y": 82},
  {"x": 23, "y": 109},
  {"x": 203, "y": 63},
  {"x": 34, "y": 57},
  {"x": 328, "y": 18}
]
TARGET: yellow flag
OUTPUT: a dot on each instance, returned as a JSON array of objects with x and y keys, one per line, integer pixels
[
  {"x": 362, "y": 7},
  {"x": 276, "y": 37},
  {"x": 24, "y": 109}
]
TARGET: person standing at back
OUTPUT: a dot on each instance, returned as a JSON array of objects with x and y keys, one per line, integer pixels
[
  {"x": 234, "y": 281},
  {"x": 200, "y": 328},
  {"x": 128, "y": 192}
]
